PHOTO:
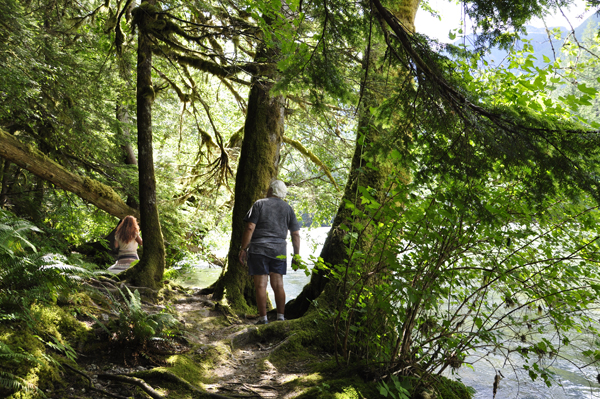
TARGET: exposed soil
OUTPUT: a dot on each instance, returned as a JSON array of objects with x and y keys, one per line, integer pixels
[
  {"x": 245, "y": 371},
  {"x": 241, "y": 368}
]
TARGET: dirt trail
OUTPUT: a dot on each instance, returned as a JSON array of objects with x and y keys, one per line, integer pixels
[
  {"x": 245, "y": 369},
  {"x": 229, "y": 352}
]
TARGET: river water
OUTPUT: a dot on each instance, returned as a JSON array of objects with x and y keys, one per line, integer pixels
[{"x": 571, "y": 382}]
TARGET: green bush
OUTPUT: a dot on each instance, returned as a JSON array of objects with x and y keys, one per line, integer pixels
[
  {"x": 433, "y": 277},
  {"x": 134, "y": 325},
  {"x": 30, "y": 284}
]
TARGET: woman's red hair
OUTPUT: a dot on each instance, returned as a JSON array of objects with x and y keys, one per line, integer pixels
[{"x": 127, "y": 230}]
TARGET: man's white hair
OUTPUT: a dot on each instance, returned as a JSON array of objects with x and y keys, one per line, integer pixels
[{"x": 278, "y": 188}]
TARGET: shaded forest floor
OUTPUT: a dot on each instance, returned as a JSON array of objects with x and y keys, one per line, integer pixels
[{"x": 218, "y": 355}]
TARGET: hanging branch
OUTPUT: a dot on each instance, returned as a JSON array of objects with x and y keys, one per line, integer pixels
[
  {"x": 518, "y": 141},
  {"x": 240, "y": 101},
  {"x": 222, "y": 163},
  {"x": 119, "y": 35},
  {"x": 206, "y": 139},
  {"x": 310, "y": 155}
]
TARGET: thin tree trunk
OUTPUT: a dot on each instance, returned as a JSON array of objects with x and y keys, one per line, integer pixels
[
  {"x": 149, "y": 271},
  {"x": 128, "y": 151},
  {"x": 4, "y": 189},
  {"x": 125, "y": 133},
  {"x": 38, "y": 199}
]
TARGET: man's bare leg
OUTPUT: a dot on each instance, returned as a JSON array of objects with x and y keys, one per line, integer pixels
[
  {"x": 277, "y": 285},
  {"x": 260, "y": 287}
]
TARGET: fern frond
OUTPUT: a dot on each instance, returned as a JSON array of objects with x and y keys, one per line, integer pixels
[
  {"x": 9, "y": 380},
  {"x": 12, "y": 236},
  {"x": 16, "y": 383}
]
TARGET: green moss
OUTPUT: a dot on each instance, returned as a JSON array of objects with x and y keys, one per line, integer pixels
[
  {"x": 101, "y": 189},
  {"x": 437, "y": 387},
  {"x": 344, "y": 388},
  {"x": 169, "y": 292},
  {"x": 305, "y": 340},
  {"x": 194, "y": 370},
  {"x": 334, "y": 382},
  {"x": 450, "y": 389},
  {"x": 43, "y": 374},
  {"x": 184, "y": 367},
  {"x": 57, "y": 322},
  {"x": 24, "y": 342}
]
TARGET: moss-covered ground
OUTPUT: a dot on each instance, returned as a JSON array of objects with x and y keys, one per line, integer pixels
[{"x": 210, "y": 353}]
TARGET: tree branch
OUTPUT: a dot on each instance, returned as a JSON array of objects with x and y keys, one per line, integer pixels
[{"x": 310, "y": 155}]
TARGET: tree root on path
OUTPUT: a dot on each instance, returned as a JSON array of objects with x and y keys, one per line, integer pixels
[
  {"x": 170, "y": 377},
  {"x": 139, "y": 382},
  {"x": 282, "y": 342},
  {"x": 254, "y": 389},
  {"x": 134, "y": 381},
  {"x": 91, "y": 385}
]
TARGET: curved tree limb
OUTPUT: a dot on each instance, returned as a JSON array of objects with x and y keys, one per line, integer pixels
[
  {"x": 562, "y": 159},
  {"x": 212, "y": 67},
  {"x": 310, "y": 155}
]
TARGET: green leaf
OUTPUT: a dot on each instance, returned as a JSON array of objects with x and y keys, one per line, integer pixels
[{"x": 587, "y": 90}]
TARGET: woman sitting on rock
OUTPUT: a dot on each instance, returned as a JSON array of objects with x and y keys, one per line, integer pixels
[{"x": 127, "y": 238}]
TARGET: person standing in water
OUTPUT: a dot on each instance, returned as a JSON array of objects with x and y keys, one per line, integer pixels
[
  {"x": 264, "y": 240},
  {"x": 127, "y": 238}
]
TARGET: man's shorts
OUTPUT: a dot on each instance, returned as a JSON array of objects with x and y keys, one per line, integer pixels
[{"x": 261, "y": 265}]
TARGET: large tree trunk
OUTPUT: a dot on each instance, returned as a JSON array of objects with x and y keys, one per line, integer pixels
[
  {"x": 258, "y": 164},
  {"x": 37, "y": 163},
  {"x": 149, "y": 271},
  {"x": 334, "y": 250}
]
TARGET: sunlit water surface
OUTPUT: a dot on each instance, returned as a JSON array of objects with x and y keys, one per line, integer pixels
[{"x": 574, "y": 383}]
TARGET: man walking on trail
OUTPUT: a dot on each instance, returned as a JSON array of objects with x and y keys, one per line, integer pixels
[{"x": 263, "y": 240}]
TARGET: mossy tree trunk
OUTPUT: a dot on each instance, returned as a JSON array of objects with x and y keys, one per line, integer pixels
[
  {"x": 371, "y": 142},
  {"x": 149, "y": 271},
  {"x": 258, "y": 165},
  {"x": 27, "y": 157}
]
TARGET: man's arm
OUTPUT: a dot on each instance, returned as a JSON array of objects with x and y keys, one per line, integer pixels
[
  {"x": 296, "y": 246},
  {"x": 246, "y": 237}
]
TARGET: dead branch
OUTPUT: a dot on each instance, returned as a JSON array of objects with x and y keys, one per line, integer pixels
[
  {"x": 310, "y": 155},
  {"x": 281, "y": 343}
]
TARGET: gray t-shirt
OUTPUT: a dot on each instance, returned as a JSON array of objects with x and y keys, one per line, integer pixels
[{"x": 273, "y": 218}]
